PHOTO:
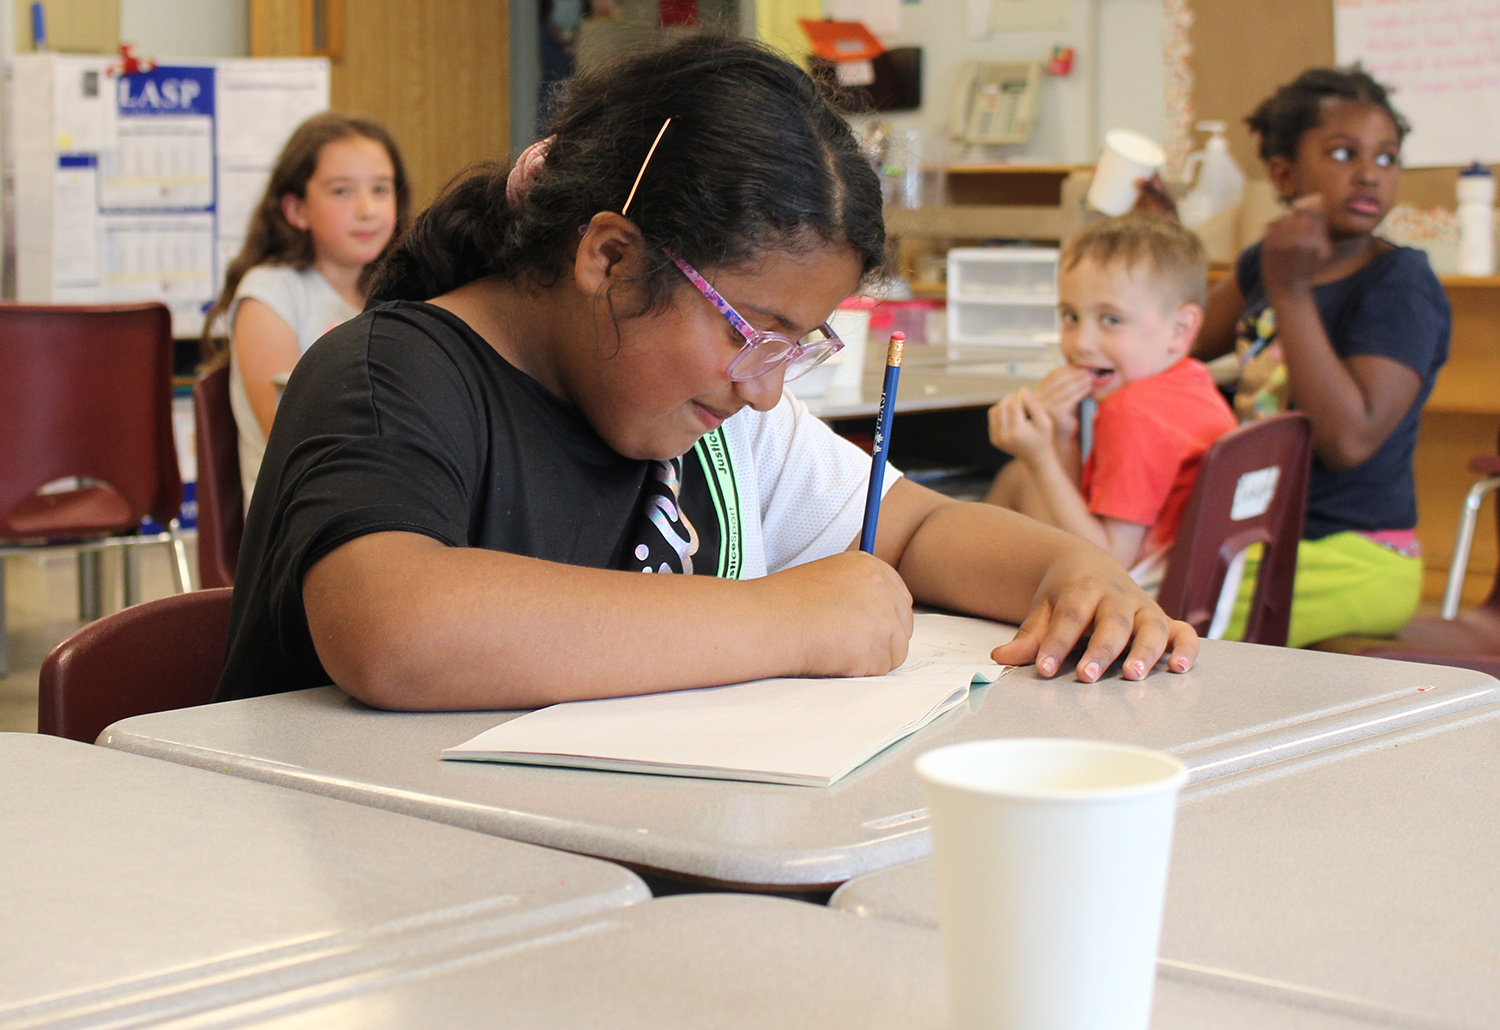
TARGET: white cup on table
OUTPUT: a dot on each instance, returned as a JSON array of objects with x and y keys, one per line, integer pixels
[
  {"x": 1051, "y": 861},
  {"x": 1127, "y": 158}
]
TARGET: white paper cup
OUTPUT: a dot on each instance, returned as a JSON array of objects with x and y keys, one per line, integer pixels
[
  {"x": 853, "y": 327},
  {"x": 1051, "y": 860},
  {"x": 1127, "y": 158}
]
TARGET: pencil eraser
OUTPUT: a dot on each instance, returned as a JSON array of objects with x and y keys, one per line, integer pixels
[{"x": 898, "y": 337}]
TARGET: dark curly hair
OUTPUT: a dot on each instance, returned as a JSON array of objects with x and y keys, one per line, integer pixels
[
  {"x": 1285, "y": 115},
  {"x": 755, "y": 159}
]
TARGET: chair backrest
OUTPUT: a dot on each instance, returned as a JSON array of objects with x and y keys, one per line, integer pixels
[
  {"x": 86, "y": 391},
  {"x": 151, "y": 657},
  {"x": 221, "y": 496},
  {"x": 1251, "y": 489}
]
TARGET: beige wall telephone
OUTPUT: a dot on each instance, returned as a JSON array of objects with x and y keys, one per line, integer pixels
[{"x": 995, "y": 102}]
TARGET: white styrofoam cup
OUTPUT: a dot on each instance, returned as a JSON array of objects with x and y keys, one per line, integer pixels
[
  {"x": 1051, "y": 859},
  {"x": 1127, "y": 158}
]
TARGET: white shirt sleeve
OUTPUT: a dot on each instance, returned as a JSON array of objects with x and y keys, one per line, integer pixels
[
  {"x": 812, "y": 484},
  {"x": 302, "y": 299}
]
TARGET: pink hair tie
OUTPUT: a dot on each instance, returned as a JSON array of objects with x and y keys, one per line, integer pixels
[{"x": 528, "y": 165}]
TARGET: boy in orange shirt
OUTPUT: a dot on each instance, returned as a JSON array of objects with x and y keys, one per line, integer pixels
[{"x": 1130, "y": 301}]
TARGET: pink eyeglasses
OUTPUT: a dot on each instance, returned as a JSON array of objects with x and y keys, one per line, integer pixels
[{"x": 763, "y": 351}]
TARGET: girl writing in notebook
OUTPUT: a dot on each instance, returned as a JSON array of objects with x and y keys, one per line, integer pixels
[
  {"x": 557, "y": 461},
  {"x": 1330, "y": 319},
  {"x": 336, "y": 196}
]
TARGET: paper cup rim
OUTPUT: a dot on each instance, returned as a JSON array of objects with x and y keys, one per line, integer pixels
[
  {"x": 1133, "y": 146},
  {"x": 1174, "y": 771}
]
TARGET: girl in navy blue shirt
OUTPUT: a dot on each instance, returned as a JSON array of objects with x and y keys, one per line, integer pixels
[{"x": 1332, "y": 320}]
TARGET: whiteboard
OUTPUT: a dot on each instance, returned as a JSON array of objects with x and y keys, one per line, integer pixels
[{"x": 1443, "y": 59}]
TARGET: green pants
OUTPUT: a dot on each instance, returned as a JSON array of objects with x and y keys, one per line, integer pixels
[{"x": 1346, "y": 583}]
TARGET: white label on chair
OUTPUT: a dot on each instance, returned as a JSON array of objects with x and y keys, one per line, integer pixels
[{"x": 1253, "y": 493}]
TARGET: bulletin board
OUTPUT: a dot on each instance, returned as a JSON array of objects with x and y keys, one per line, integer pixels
[{"x": 140, "y": 187}]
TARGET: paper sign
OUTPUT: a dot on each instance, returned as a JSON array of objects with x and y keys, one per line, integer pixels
[
  {"x": 1442, "y": 59},
  {"x": 1253, "y": 493}
]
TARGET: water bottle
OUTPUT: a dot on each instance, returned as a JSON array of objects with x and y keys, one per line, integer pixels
[{"x": 1476, "y": 221}]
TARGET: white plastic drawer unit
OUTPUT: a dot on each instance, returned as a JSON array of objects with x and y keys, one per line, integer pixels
[{"x": 1003, "y": 296}]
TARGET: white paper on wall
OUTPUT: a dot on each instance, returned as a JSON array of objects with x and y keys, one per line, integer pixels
[
  {"x": 977, "y": 18},
  {"x": 881, "y": 17},
  {"x": 1029, "y": 15},
  {"x": 1443, "y": 59}
]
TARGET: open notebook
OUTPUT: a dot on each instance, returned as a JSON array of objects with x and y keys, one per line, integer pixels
[{"x": 798, "y": 731}]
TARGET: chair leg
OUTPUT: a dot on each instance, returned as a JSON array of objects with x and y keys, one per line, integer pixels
[
  {"x": 1460, "y": 563},
  {"x": 181, "y": 574},
  {"x": 130, "y": 575},
  {"x": 4, "y": 639},
  {"x": 90, "y": 586}
]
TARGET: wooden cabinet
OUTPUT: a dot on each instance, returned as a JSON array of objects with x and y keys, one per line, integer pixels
[{"x": 1462, "y": 419}]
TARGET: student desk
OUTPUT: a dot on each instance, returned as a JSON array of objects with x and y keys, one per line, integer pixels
[
  {"x": 1242, "y": 706},
  {"x": 1364, "y": 879},
  {"x": 139, "y": 890},
  {"x": 930, "y": 381},
  {"x": 731, "y": 962}
]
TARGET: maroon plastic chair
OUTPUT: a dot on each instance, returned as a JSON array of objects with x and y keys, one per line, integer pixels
[
  {"x": 221, "y": 496},
  {"x": 1251, "y": 489},
  {"x": 151, "y": 657},
  {"x": 1470, "y": 640},
  {"x": 86, "y": 411}
]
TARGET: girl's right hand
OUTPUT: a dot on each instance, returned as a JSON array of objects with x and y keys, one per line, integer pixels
[
  {"x": 845, "y": 615},
  {"x": 1296, "y": 245}
]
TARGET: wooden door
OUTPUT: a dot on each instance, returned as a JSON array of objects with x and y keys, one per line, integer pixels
[{"x": 436, "y": 74}]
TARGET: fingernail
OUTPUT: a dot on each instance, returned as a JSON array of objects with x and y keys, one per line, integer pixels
[
  {"x": 1180, "y": 664},
  {"x": 1091, "y": 670},
  {"x": 1048, "y": 666},
  {"x": 1138, "y": 668}
]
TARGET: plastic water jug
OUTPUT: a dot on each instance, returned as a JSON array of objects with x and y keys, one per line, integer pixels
[{"x": 1218, "y": 183}]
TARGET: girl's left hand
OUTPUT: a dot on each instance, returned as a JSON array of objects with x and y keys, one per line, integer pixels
[
  {"x": 1297, "y": 244},
  {"x": 1084, "y": 592},
  {"x": 1021, "y": 426}
]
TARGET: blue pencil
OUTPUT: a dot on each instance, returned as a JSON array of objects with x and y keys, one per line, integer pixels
[{"x": 882, "y": 441}]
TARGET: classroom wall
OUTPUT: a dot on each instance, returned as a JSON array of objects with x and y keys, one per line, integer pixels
[
  {"x": 1117, "y": 77},
  {"x": 157, "y": 28},
  {"x": 172, "y": 28}
]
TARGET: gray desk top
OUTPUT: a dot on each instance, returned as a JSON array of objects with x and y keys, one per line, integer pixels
[
  {"x": 1242, "y": 706},
  {"x": 1372, "y": 871},
  {"x": 136, "y": 886},
  {"x": 731, "y": 962},
  {"x": 930, "y": 382},
  {"x": 1363, "y": 879}
]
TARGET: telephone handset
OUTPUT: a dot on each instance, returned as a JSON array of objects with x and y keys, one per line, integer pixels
[{"x": 995, "y": 102}]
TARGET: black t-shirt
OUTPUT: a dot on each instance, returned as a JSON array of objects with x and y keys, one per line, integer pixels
[
  {"x": 405, "y": 419},
  {"x": 1395, "y": 308}
]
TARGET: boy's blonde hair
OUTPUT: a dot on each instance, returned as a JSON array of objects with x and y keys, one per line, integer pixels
[{"x": 1169, "y": 253}]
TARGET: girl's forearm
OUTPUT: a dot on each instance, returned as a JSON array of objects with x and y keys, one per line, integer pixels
[
  {"x": 1349, "y": 422},
  {"x": 1070, "y": 512},
  {"x": 402, "y": 621}
]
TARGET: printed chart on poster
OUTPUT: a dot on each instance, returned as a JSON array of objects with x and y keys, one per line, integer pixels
[
  {"x": 1443, "y": 58},
  {"x": 139, "y": 187}
]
